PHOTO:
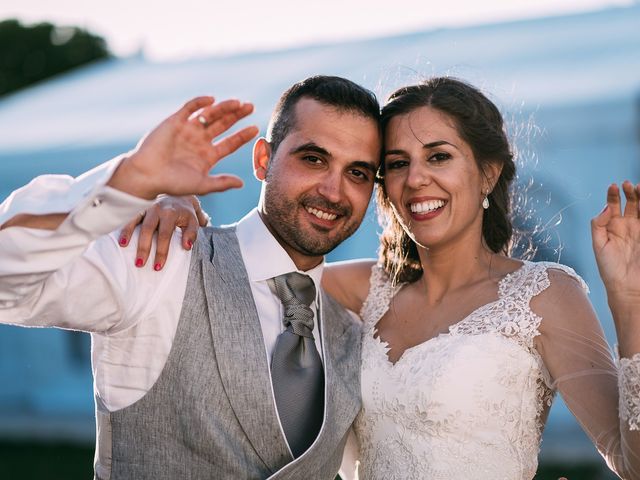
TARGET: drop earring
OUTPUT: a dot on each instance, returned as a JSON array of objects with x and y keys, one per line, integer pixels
[{"x": 485, "y": 201}]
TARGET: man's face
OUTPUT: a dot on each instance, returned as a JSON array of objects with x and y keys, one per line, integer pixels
[{"x": 319, "y": 181}]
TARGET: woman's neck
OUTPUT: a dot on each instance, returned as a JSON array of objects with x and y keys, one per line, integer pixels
[{"x": 453, "y": 267}]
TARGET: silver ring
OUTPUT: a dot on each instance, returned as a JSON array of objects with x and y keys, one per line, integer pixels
[{"x": 203, "y": 121}]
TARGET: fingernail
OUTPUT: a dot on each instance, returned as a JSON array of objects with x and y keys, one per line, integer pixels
[
  {"x": 157, "y": 267},
  {"x": 123, "y": 241},
  {"x": 189, "y": 243},
  {"x": 139, "y": 262}
]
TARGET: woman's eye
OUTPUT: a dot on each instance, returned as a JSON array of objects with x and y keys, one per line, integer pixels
[
  {"x": 396, "y": 164},
  {"x": 439, "y": 157}
]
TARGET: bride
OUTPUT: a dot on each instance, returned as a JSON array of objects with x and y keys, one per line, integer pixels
[{"x": 463, "y": 346}]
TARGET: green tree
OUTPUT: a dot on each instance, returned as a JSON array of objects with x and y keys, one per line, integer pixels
[{"x": 30, "y": 53}]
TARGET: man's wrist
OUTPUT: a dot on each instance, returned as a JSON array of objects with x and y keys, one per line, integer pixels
[{"x": 128, "y": 178}]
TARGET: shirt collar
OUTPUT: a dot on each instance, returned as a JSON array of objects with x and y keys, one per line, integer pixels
[{"x": 263, "y": 256}]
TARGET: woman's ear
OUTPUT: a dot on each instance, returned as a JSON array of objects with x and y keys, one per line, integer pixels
[
  {"x": 261, "y": 158},
  {"x": 491, "y": 171}
]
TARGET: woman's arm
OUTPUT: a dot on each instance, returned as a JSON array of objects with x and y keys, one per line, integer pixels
[
  {"x": 348, "y": 282},
  {"x": 576, "y": 353},
  {"x": 616, "y": 243},
  {"x": 601, "y": 394}
]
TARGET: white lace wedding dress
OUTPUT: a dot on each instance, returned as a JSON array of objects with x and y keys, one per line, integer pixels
[{"x": 467, "y": 404}]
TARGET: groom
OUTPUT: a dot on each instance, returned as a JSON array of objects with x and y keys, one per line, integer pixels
[{"x": 233, "y": 363}]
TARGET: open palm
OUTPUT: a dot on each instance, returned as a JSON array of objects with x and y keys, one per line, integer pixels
[
  {"x": 177, "y": 156},
  {"x": 616, "y": 242}
]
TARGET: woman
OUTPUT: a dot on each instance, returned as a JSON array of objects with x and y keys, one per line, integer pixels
[{"x": 463, "y": 346}]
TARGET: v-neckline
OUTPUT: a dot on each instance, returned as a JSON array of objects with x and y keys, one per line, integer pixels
[{"x": 446, "y": 333}]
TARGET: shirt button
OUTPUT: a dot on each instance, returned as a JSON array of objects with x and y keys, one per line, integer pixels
[{"x": 96, "y": 202}]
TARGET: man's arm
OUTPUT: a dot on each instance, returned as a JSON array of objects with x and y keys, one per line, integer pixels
[
  {"x": 48, "y": 224},
  {"x": 175, "y": 158}
]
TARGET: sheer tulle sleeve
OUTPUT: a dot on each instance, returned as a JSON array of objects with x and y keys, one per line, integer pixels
[{"x": 602, "y": 393}]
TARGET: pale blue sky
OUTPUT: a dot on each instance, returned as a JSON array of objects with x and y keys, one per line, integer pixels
[{"x": 188, "y": 28}]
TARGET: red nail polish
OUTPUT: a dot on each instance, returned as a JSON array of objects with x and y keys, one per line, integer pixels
[
  {"x": 157, "y": 267},
  {"x": 138, "y": 262},
  {"x": 189, "y": 243},
  {"x": 123, "y": 241}
]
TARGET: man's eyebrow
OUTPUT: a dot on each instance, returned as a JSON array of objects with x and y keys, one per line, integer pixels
[
  {"x": 310, "y": 147},
  {"x": 366, "y": 165}
]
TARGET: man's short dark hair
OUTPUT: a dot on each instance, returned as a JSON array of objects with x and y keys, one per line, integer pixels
[{"x": 332, "y": 91}]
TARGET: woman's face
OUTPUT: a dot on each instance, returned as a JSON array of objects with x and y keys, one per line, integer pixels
[{"x": 432, "y": 179}]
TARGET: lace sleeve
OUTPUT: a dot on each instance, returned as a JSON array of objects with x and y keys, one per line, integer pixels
[
  {"x": 629, "y": 388},
  {"x": 602, "y": 396}
]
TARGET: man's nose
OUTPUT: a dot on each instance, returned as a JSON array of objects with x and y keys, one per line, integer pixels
[{"x": 331, "y": 187}]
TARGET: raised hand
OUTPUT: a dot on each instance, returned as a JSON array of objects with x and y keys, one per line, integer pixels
[
  {"x": 616, "y": 244},
  {"x": 176, "y": 157},
  {"x": 616, "y": 239},
  {"x": 162, "y": 218}
]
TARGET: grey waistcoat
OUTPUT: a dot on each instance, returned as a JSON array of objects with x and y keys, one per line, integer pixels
[{"x": 210, "y": 414}]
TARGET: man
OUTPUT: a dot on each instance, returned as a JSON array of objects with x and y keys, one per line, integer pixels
[{"x": 197, "y": 373}]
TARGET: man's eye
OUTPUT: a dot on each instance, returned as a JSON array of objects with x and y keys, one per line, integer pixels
[
  {"x": 359, "y": 174},
  {"x": 312, "y": 159}
]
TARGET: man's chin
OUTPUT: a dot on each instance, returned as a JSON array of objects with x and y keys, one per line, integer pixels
[{"x": 318, "y": 248}]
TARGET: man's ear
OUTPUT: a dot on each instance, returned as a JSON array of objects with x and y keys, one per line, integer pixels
[{"x": 261, "y": 158}]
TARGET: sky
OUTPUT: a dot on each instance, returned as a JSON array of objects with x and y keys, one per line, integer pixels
[{"x": 166, "y": 31}]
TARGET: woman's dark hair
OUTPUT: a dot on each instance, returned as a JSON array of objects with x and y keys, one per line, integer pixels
[{"x": 480, "y": 124}]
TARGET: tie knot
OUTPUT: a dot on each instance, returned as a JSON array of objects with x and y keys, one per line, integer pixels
[
  {"x": 296, "y": 292},
  {"x": 295, "y": 288}
]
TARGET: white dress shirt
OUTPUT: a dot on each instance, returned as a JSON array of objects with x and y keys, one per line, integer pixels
[{"x": 79, "y": 278}]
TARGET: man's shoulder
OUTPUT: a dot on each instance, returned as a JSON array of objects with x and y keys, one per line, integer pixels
[
  {"x": 207, "y": 235},
  {"x": 333, "y": 311}
]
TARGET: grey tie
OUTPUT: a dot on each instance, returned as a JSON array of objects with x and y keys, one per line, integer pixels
[{"x": 296, "y": 368}]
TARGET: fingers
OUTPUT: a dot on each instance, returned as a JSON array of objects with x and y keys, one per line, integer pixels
[
  {"x": 127, "y": 230},
  {"x": 189, "y": 233},
  {"x": 599, "y": 233},
  {"x": 613, "y": 200},
  {"x": 233, "y": 142},
  {"x": 174, "y": 212},
  {"x": 631, "y": 194},
  {"x": 203, "y": 217},
  {"x": 220, "y": 183},
  {"x": 226, "y": 116},
  {"x": 166, "y": 229},
  {"x": 193, "y": 106},
  {"x": 212, "y": 112},
  {"x": 147, "y": 229}
]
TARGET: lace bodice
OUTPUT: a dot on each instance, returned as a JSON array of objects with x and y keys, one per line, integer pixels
[{"x": 465, "y": 404}]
